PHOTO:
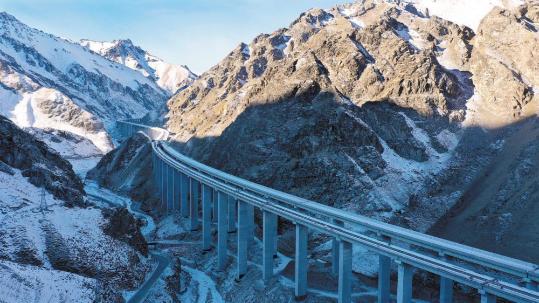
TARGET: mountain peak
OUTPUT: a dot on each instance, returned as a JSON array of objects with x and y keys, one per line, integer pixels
[
  {"x": 7, "y": 16},
  {"x": 169, "y": 77}
]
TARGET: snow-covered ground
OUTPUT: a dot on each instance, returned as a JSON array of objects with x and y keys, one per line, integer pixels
[
  {"x": 40, "y": 239},
  {"x": 27, "y": 283}
]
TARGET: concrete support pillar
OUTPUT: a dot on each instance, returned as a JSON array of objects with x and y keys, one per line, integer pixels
[
  {"x": 154, "y": 167},
  {"x": 446, "y": 287},
  {"x": 163, "y": 184},
  {"x": 301, "y": 262},
  {"x": 177, "y": 189},
  {"x": 170, "y": 188},
  {"x": 268, "y": 243},
  {"x": 206, "y": 216},
  {"x": 345, "y": 272},
  {"x": 243, "y": 235},
  {"x": 404, "y": 285},
  {"x": 194, "y": 195},
  {"x": 159, "y": 181},
  {"x": 222, "y": 232},
  {"x": 446, "y": 290},
  {"x": 214, "y": 206},
  {"x": 384, "y": 279},
  {"x": 184, "y": 194},
  {"x": 276, "y": 238},
  {"x": 335, "y": 250},
  {"x": 250, "y": 224},
  {"x": 232, "y": 205},
  {"x": 486, "y": 297}
]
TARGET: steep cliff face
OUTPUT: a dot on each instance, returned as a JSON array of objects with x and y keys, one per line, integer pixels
[{"x": 505, "y": 66}]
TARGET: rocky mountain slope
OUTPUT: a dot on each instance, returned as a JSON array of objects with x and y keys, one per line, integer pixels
[
  {"x": 64, "y": 251},
  {"x": 169, "y": 77},
  {"x": 337, "y": 99},
  {"x": 382, "y": 108},
  {"x": 46, "y": 81},
  {"x": 126, "y": 170}
]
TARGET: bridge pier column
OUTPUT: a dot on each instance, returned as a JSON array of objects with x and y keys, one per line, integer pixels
[
  {"x": 214, "y": 206},
  {"x": 163, "y": 184},
  {"x": 446, "y": 286},
  {"x": 268, "y": 245},
  {"x": 301, "y": 262},
  {"x": 159, "y": 180},
  {"x": 345, "y": 272},
  {"x": 222, "y": 232},
  {"x": 384, "y": 278},
  {"x": 404, "y": 285},
  {"x": 183, "y": 195},
  {"x": 195, "y": 188},
  {"x": 206, "y": 216},
  {"x": 177, "y": 186},
  {"x": 335, "y": 250},
  {"x": 486, "y": 297},
  {"x": 154, "y": 167},
  {"x": 232, "y": 205},
  {"x": 170, "y": 187},
  {"x": 446, "y": 290},
  {"x": 250, "y": 224},
  {"x": 243, "y": 238},
  {"x": 276, "y": 237}
]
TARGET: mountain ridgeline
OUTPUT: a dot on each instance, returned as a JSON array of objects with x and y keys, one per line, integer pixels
[
  {"x": 375, "y": 107},
  {"x": 50, "y": 82}
]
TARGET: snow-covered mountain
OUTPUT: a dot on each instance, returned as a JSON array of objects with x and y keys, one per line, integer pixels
[
  {"x": 47, "y": 81},
  {"x": 168, "y": 76}
]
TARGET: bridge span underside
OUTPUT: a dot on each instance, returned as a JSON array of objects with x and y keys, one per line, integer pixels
[{"x": 205, "y": 196}]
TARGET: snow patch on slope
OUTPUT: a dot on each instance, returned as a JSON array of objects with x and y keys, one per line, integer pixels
[
  {"x": 463, "y": 12},
  {"x": 26, "y": 111},
  {"x": 26, "y": 283}
]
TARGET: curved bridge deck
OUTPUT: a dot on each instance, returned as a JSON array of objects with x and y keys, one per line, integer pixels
[{"x": 205, "y": 195}]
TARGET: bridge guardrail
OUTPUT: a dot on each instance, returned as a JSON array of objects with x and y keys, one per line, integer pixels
[
  {"x": 514, "y": 268},
  {"x": 495, "y": 261}
]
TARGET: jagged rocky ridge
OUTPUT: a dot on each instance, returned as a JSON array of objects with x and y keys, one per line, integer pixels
[
  {"x": 376, "y": 107},
  {"x": 168, "y": 76}
]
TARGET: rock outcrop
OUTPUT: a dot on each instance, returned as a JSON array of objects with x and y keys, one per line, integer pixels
[
  {"x": 42, "y": 166},
  {"x": 127, "y": 168}
]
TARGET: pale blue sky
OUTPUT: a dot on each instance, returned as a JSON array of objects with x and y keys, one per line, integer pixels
[{"x": 197, "y": 33}]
